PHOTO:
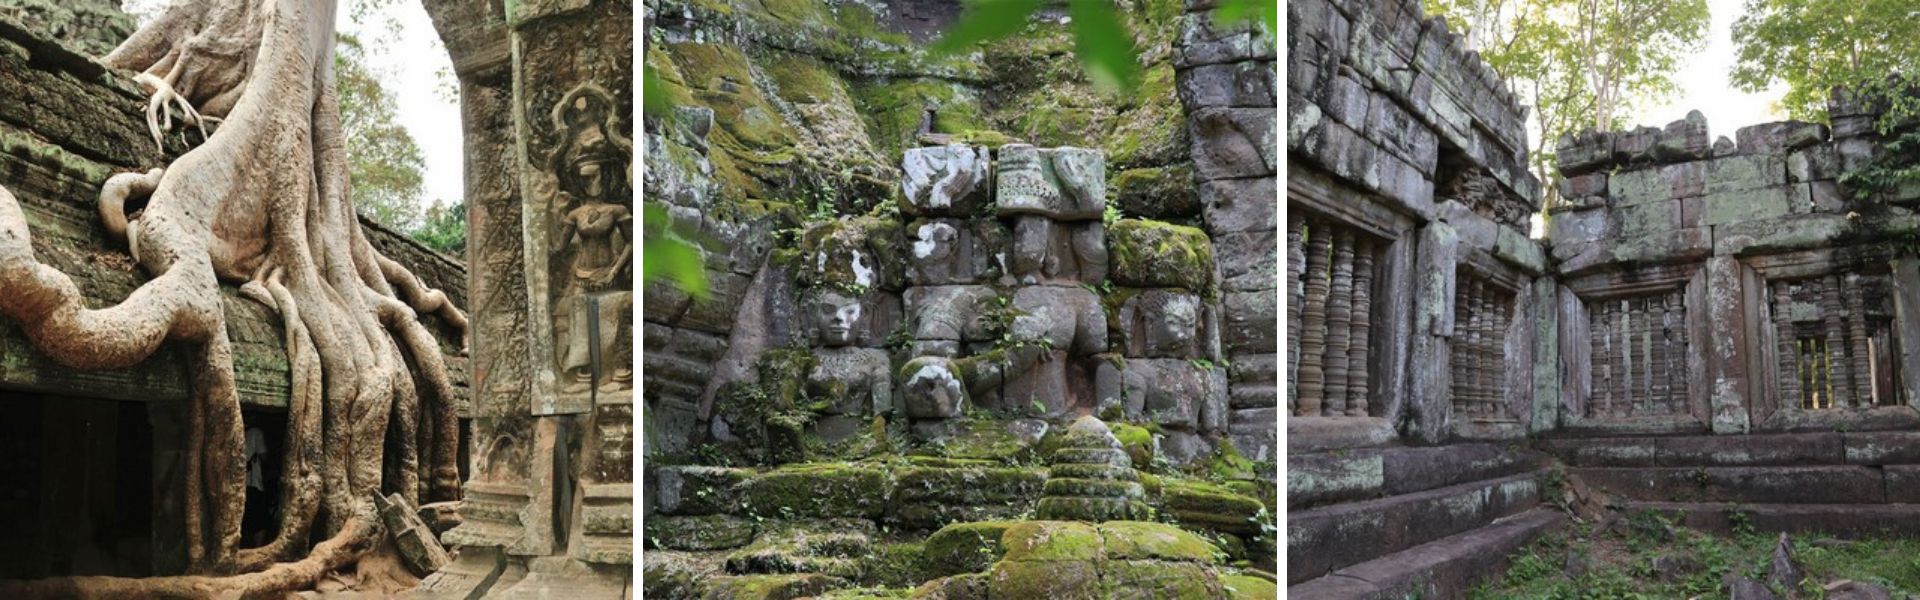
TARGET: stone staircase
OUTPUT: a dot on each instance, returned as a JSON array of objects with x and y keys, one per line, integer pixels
[
  {"x": 1865, "y": 483},
  {"x": 1410, "y": 522}
]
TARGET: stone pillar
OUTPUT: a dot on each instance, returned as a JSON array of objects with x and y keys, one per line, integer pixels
[
  {"x": 1433, "y": 328},
  {"x": 1727, "y": 368},
  {"x": 1547, "y": 372},
  {"x": 1224, "y": 74},
  {"x": 1906, "y": 307},
  {"x": 573, "y": 113}
]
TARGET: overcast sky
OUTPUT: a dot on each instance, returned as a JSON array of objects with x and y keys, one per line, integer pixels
[
  {"x": 1704, "y": 86},
  {"x": 414, "y": 67}
]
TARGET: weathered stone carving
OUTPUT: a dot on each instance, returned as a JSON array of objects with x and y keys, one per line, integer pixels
[
  {"x": 858, "y": 380},
  {"x": 951, "y": 180},
  {"x": 1063, "y": 184},
  {"x": 1164, "y": 323},
  {"x": 946, "y": 317},
  {"x": 1092, "y": 479},
  {"x": 592, "y": 168},
  {"x": 1047, "y": 250},
  {"x": 951, "y": 251}
]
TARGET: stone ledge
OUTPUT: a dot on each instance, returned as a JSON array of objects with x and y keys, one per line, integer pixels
[
  {"x": 1444, "y": 568},
  {"x": 1323, "y": 540},
  {"x": 1842, "y": 484},
  {"x": 1844, "y": 520}
]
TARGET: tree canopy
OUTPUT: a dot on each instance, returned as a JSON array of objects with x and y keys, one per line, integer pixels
[
  {"x": 1579, "y": 64},
  {"x": 1813, "y": 46}
]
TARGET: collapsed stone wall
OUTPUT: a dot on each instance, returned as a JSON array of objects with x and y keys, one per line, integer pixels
[{"x": 780, "y": 124}]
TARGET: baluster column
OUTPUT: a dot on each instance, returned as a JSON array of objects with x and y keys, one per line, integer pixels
[
  {"x": 1339, "y": 322},
  {"x": 1861, "y": 363},
  {"x": 1357, "y": 383},
  {"x": 1837, "y": 371},
  {"x": 1296, "y": 266},
  {"x": 1313, "y": 322}
]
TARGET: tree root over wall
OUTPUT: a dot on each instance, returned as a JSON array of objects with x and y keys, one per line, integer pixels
[{"x": 263, "y": 204}]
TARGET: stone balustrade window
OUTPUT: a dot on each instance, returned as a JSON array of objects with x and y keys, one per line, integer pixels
[
  {"x": 1837, "y": 347},
  {"x": 1482, "y": 312},
  {"x": 1639, "y": 356},
  {"x": 1332, "y": 273}
]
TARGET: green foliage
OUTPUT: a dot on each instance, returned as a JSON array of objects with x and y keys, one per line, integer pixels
[
  {"x": 445, "y": 228},
  {"x": 384, "y": 164},
  {"x": 663, "y": 256},
  {"x": 1579, "y": 64},
  {"x": 1263, "y": 11},
  {"x": 1813, "y": 46},
  {"x": 1101, "y": 41}
]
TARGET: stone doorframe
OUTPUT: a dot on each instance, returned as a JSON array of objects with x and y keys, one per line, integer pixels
[{"x": 1311, "y": 192}]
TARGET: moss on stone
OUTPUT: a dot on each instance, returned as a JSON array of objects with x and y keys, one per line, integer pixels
[
  {"x": 1210, "y": 506},
  {"x": 1046, "y": 579},
  {"x": 969, "y": 586},
  {"x": 698, "y": 533},
  {"x": 1156, "y": 192},
  {"x": 768, "y": 587},
  {"x": 895, "y": 109},
  {"x": 964, "y": 548},
  {"x": 1149, "y": 253},
  {"x": 819, "y": 490},
  {"x": 1139, "y": 540},
  {"x": 984, "y": 439},
  {"x": 865, "y": 594},
  {"x": 1135, "y": 440},
  {"x": 1052, "y": 540},
  {"x": 1247, "y": 587},
  {"x": 1175, "y": 580}
]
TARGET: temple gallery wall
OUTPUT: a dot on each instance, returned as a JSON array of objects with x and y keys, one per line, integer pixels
[{"x": 1708, "y": 323}]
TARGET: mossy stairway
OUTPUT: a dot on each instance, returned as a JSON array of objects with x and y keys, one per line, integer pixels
[
  {"x": 1411, "y": 522},
  {"x": 1843, "y": 484}
]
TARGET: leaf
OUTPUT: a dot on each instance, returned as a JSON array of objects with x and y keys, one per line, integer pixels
[
  {"x": 986, "y": 21},
  {"x": 663, "y": 256},
  {"x": 1104, "y": 46}
]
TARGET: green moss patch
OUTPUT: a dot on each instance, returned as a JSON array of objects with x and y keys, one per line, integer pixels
[
  {"x": 1141, "y": 540},
  {"x": 964, "y": 548},
  {"x": 1053, "y": 540},
  {"x": 768, "y": 587},
  {"x": 819, "y": 490},
  {"x": 1045, "y": 579},
  {"x": 1177, "y": 580},
  {"x": 708, "y": 532},
  {"x": 1158, "y": 254},
  {"x": 1209, "y": 506},
  {"x": 1247, "y": 587},
  {"x": 1156, "y": 192}
]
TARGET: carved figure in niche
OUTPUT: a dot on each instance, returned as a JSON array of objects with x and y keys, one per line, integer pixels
[
  {"x": 1045, "y": 250},
  {"x": 1053, "y": 329},
  {"x": 945, "y": 180},
  {"x": 856, "y": 380},
  {"x": 950, "y": 251},
  {"x": 945, "y": 316},
  {"x": 592, "y": 166},
  {"x": 1165, "y": 324},
  {"x": 1067, "y": 184}
]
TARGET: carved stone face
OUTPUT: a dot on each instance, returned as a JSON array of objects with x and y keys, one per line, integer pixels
[
  {"x": 593, "y": 160},
  {"x": 836, "y": 318},
  {"x": 1177, "y": 325}
]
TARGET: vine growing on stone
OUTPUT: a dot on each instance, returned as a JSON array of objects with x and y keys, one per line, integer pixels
[{"x": 263, "y": 204}]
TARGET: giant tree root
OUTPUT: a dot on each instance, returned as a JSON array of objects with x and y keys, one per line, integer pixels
[
  {"x": 262, "y": 204},
  {"x": 274, "y": 582}
]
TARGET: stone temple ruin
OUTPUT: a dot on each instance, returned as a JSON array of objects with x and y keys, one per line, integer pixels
[
  {"x": 507, "y": 467},
  {"x": 975, "y": 330},
  {"x": 1710, "y": 328}
]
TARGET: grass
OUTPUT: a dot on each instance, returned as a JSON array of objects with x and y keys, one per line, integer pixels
[{"x": 1638, "y": 559}]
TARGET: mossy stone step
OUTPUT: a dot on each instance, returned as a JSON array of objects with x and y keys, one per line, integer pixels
[{"x": 1445, "y": 568}]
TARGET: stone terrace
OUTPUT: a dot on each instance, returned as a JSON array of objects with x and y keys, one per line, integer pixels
[{"x": 1709, "y": 324}]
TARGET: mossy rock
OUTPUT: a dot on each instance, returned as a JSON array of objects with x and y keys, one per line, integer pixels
[
  {"x": 969, "y": 586},
  {"x": 1135, "y": 440},
  {"x": 701, "y": 533},
  {"x": 1156, "y": 192},
  {"x": 968, "y": 485},
  {"x": 1156, "y": 580},
  {"x": 805, "y": 548},
  {"x": 819, "y": 490},
  {"x": 769, "y": 587},
  {"x": 1141, "y": 540},
  {"x": 1248, "y": 587},
  {"x": 1097, "y": 488},
  {"x": 1046, "y": 579},
  {"x": 1081, "y": 508},
  {"x": 1209, "y": 506},
  {"x": 1053, "y": 540},
  {"x": 1092, "y": 456},
  {"x": 1158, "y": 254},
  {"x": 695, "y": 490},
  {"x": 865, "y": 594},
  {"x": 964, "y": 548},
  {"x": 1006, "y": 442},
  {"x": 1101, "y": 472}
]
